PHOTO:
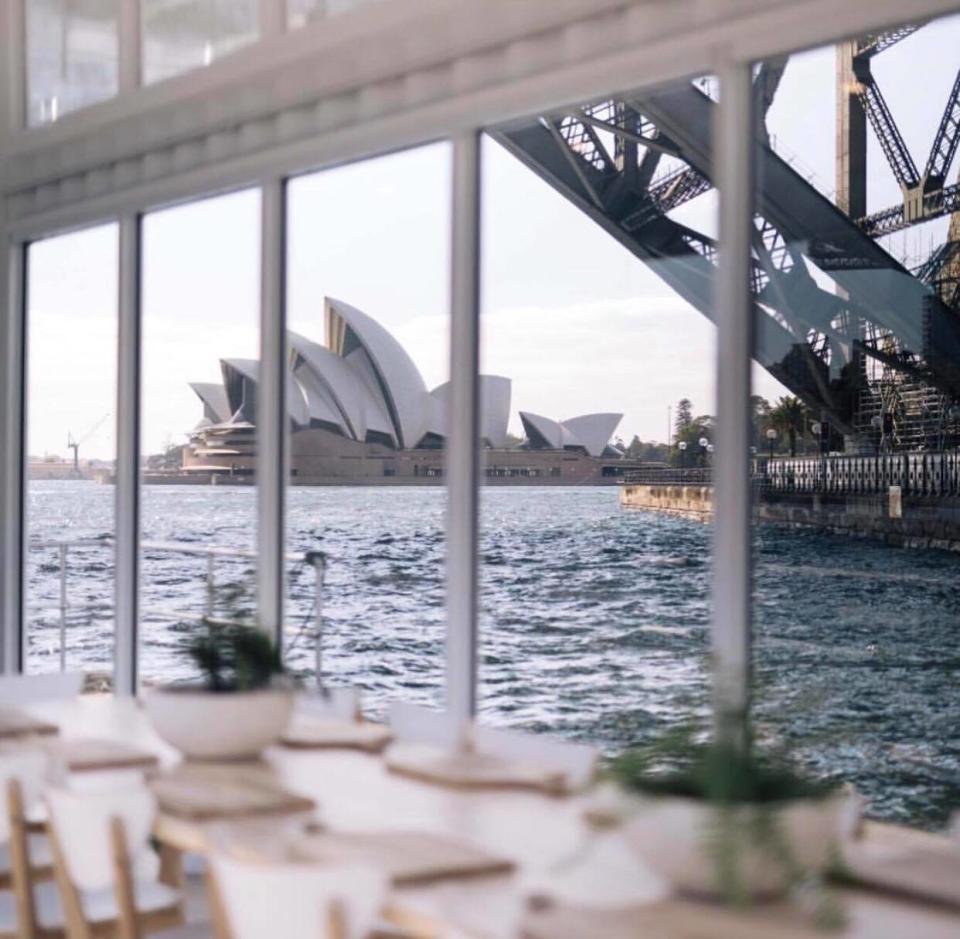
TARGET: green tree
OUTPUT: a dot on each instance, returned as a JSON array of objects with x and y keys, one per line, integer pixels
[{"x": 789, "y": 416}]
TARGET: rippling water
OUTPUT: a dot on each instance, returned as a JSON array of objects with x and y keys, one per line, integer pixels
[{"x": 594, "y": 618}]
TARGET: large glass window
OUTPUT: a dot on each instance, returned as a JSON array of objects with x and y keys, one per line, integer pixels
[
  {"x": 598, "y": 394},
  {"x": 180, "y": 35},
  {"x": 857, "y": 467},
  {"x": 368, "y": 303},
  {"x": 71, "y": 423},
  {"x": 201, "y": 289},
  {"x": 71, "y": 55},
  {"x": 301, "y": 12}
]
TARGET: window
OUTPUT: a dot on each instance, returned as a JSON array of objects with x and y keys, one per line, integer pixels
[
  {"x": 201, "y": 264},
  {"x": 71, "y": 423},
  {"x": 180, "y": 35},
  {"x": 368, "y": 298},
  {"x": 856, "y": 464},
  {"x": 597, "y": 269},
  {"x": 71, "y": 55}
]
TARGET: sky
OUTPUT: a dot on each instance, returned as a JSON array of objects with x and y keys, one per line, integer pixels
[{"x": 575, "y": 320}]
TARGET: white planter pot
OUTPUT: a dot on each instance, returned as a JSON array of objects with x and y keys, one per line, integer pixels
[
  {"x": 228, "y": 725},
  {"x": 679, "y": 839}
]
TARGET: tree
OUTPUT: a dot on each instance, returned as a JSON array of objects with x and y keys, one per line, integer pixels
[
  {"x": 789, "y": 417},
  {"x": 684, "y": 415}
]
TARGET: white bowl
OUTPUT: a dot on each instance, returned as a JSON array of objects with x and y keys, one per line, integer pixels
[
  {"x": 679, "y": 839},
  {"x": 224, "y": 725}
]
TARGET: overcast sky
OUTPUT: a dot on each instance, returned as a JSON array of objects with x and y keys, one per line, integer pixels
[{"x": 570, "y": 316}]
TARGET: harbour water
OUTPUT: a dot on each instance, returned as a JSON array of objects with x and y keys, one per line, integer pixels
[{"x": 594, "y": 618}]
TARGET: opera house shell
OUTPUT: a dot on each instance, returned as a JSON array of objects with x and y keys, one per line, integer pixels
[{"x": 360, "y": 410}]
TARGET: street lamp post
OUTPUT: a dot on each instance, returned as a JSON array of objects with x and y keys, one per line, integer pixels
[
  {"x": 682, "y": 447},
  {"x": 704, "y": 443},
  {"x": 771, "y": 439}
]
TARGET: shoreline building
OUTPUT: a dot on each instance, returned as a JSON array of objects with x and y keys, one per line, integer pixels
[{"x": 360, "y": 412}]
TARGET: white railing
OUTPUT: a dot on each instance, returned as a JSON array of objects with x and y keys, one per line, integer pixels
[{"x": 315, "y": 559}]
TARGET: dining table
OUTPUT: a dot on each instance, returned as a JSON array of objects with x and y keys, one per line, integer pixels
[{"x": 543, "y": 869}]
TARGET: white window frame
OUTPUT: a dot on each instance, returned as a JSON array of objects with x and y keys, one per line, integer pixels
[{"x": 406, "y": 74}]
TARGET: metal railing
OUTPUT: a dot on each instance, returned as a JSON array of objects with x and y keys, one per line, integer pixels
[
  {"x": 314, "y": 559},
  {"x": 669, "y": 476},
  {"x": 929, "y": 473}
]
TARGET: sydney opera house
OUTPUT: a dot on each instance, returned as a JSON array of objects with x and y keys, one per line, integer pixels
[{"x": 360, "y": 412}]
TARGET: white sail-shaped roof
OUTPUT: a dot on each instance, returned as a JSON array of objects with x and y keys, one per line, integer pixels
[
  {"x": 495, "y": 393},
  {"x": 240, "y": 380},
  {"x": 398, "y": 380},
  {"x": 593, "y": 431},
  {"x": 327, "y": 378},
  {"x": 541, "y": 431},
  {"x": 590, "y": 431},
  {"x": 216, "y": 407}
]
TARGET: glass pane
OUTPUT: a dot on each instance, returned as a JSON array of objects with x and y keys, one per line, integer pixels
[
  {"x": 301, "y": 12},
  {"x": 71, "y": 425},
  {"x": 72, "y": 56},
  {"x": 598, "y": 257},
  {"x": 369, "y": 330},
  {"x": 201, "y": 289},
  {"x": 180, "y": 35},
  {"x": 857, "y": 471}
]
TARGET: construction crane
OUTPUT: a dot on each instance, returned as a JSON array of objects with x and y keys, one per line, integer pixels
[{"x": 73, "y": 444}]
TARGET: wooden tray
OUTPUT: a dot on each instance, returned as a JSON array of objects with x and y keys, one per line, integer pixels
[
  {"x": 14, "y": 724},
  {"x": 88, "y": 755},
  {"x": 666, "y": 919},
  {"x": 315, "y": 733},
  {"x": 199, "y": 793},
  {"x": 912, "y": 869},
  {"x": 470, "y": 770},
  {"x": 409, "y": 857}
]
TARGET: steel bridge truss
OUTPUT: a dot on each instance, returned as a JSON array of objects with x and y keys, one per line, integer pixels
[{"x": 630, "y": 162}]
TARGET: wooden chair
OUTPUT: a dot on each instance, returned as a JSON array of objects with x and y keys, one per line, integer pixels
[
  {"x": 414, "y": 723},
  {"x": 29, "y": 902},
  {"x": 273, "y": 899},
  {"x": 575, "y": 762},
  {"x": 107, "y": 873}
]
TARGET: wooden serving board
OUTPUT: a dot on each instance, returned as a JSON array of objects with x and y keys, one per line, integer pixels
[
  {"x": 470, "y": 770},
  {"x": 199, "y": 793},
  {"x": 666, "y": 919},
  {"x": 409, "y": 857},
  {"x": 14, "y": 724},
  {"x": 314, "y": 733},
  {"x": 88, "y": 755},
  {"x": 925, "y": 872}
]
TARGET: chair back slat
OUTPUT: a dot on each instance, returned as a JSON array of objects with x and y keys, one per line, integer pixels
[
  {"x": 414, "y": 723},
  {"x": 575, "y": 761},
  {"x": 83, "y": 824},
  {"x": 264, "y": 900},
  {"x": 28, "y": 768}
]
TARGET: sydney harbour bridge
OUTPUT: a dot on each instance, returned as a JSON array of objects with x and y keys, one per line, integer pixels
[{"x": 871, "y": 345}]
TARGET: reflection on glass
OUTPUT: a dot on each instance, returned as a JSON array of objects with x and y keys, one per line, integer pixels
[
  {"x": 301, "y": 12},
  {"x": 369, "y": 352},
  {"x": 180, "y": 35},
  {"x": 200, "y": 349},
  {"x": 856, "y": 274},
  {"x": 598, "y": 257},
  {"x": 71, "y": 56},
  {"x": 71, "y": 415}
]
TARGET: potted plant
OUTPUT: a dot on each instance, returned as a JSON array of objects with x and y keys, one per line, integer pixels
[
  {"x": 242, "y": 704},
  {"x": 730, "y": 822}
]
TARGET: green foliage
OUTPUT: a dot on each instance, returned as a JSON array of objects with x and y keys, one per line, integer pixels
[
  {"x": 677, "y": 764},
  {"x": 731, "y": 778},
  {"x": 233, "y": 655}
]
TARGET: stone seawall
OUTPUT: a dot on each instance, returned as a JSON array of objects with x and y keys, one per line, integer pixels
[
  {"x": 909, "y": 521},
  {"x": 688, "y": 501}
]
